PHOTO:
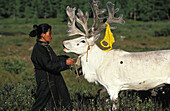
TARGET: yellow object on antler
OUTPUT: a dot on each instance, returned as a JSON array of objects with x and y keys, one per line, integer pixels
[{"x": 109, "y": 38}]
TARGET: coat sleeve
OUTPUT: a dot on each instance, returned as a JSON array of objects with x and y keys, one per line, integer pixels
[{"x": 45, "y": 62}]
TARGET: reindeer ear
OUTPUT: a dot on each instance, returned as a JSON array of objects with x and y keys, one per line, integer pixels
[
  {"x": 96, "y": 37},
  {"x": 92, "y": 40}
]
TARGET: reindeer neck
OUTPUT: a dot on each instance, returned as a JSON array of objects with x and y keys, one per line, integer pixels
[
  {"x": 94, "y": 55},
  {"x": 95, "y": 50}
]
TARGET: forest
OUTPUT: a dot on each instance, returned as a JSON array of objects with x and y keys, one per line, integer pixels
[{"x": 143, "y": 10}]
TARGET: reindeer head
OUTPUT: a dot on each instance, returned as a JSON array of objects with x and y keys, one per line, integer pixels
[{"x": 89, "y": 36}]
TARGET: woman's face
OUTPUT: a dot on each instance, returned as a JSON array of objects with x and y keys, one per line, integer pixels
[{"x": 47, "y": 36}]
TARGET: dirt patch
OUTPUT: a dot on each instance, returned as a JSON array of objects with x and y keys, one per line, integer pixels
[{"x": 11, "y": 33}]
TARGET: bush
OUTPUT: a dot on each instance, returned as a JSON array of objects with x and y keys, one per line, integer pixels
[
  {"x": 163, "y": 32},
  {"x": 13, "y": 65},
  {"x": 16, "y": 97},
  {"x": 21, "y": 97}
]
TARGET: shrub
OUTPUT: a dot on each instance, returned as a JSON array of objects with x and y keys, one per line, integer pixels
[
  {"x": 21, "y": 97},
  {"x": 16, "y": 97},
  {"x": 13, "y": 65},
  {"x": 163, "y": 32}
]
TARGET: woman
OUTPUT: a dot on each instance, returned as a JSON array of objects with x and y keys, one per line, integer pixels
[{"x": 51, "y": 88}]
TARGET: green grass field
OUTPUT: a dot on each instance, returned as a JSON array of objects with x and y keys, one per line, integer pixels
[{"x": 16, "y": 70}]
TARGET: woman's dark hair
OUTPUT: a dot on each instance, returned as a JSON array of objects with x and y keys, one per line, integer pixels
[{"x": 39, "y": 29}]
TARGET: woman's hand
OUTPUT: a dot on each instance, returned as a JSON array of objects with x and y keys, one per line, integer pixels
[{"x": 69, "y": 62}]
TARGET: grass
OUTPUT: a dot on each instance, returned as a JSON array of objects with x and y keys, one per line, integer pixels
[{"x": 16, "y": 44}]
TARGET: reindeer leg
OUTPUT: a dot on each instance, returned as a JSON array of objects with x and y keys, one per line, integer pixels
[
  {"x": 115, "y": 105},
  {"x": 100, "y": 91},
  {"x": 154, "y": 92},
  {"x": 114, "y": 97}
]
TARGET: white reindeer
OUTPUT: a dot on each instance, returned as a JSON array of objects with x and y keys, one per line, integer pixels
[{"x": 116, "y": 70}]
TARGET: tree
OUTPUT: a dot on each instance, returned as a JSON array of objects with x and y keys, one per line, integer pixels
[
  {"x": 15, "y": 6},
  {"x": 29, "y": 9},
  {"x": 2, "y": 8},
  {"x": 144, "y": 10},
  {"x": 54, "y": 7},
  {"x": 6, "y": 8},
  {"x": 132, "y": 7},
  {"x": 47, "y": 10},
  {"x": 161, "y": 9},
  {"x": 62, "y": 8}
]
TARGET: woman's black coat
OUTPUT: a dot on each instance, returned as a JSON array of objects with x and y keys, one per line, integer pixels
[{"x": 51, "y": 88}]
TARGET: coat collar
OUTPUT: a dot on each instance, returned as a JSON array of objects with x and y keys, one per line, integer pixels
[{"x": 42, "y": 42}]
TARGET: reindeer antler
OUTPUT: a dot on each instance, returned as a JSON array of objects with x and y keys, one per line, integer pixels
[
  {"x": 94, "y": 30},
  {"x": 96, "y": 12},
  {"x": 110, "y": 19},
  {"x": 73, "y": 28}
]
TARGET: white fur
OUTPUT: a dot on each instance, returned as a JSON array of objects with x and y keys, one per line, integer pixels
[{"x": 120, "y": 70}]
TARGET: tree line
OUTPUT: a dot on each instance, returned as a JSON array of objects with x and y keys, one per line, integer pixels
[{"x": 144, "y": 10}]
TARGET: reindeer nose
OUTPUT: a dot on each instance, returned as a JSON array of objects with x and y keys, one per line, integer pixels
[{"x": 64, "y": 42}]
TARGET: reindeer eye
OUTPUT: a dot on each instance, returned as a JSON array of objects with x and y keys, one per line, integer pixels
[{"x": 83, "y": 41}]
